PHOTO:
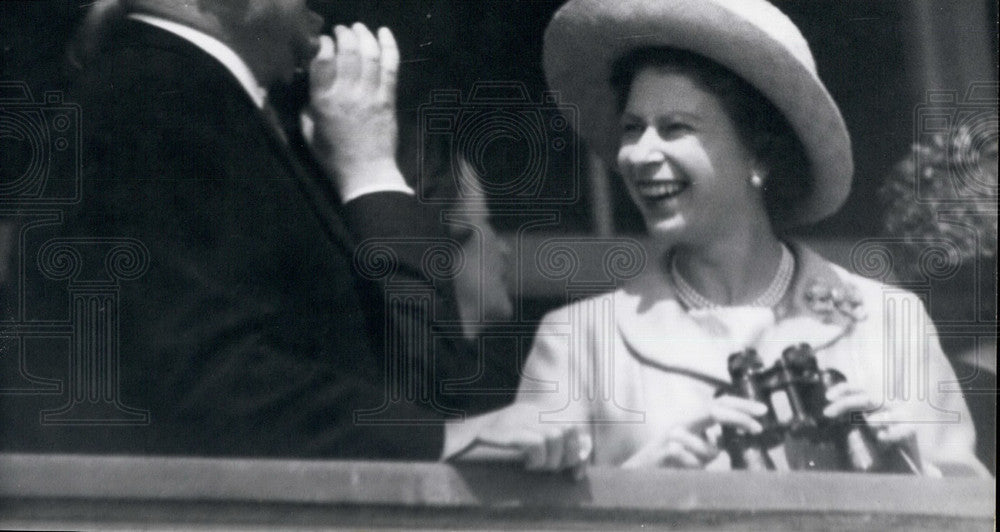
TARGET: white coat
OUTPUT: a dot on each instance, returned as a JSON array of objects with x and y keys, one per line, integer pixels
[{"x": 631, "y": 364}]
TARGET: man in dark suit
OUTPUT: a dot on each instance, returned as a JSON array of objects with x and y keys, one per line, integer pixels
[{"x": 243, "y": 317}]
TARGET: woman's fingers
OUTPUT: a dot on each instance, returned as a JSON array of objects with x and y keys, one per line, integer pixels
[
  {"x": 839, "y": 390},
  {"x": 898, "y": 433},
  {"x": 555, "y": 445},
  {"x": 844, "y": 399},
  {"x": 738, "y": 412},
  {"x": 683, "y": 446},
  {"x": 747, "y": 406},
  {"x": 572, "y": 447},
  {"x": 532, "y": 445},
  {"x": 696, "y": 444},
  {"x": 535, "y": 450},
  {"x": 677, "y": 455},
  {"x": 889, "y": 428}
]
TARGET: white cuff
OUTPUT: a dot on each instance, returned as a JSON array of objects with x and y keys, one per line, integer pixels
[
  {"x": 377, "y": 178},
  {"x": 384, "y": 177}
]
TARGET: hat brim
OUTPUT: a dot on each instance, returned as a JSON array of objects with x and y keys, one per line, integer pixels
[{"x": 586, "y": 37}]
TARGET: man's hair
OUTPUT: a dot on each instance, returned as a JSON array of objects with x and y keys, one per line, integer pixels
[{"x": 762, "y": 128}]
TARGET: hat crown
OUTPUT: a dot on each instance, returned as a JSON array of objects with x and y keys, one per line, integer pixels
[{"x": 769, "y": 19}]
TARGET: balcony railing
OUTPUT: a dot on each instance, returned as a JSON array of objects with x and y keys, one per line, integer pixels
[{"x": 100, "y": 492}]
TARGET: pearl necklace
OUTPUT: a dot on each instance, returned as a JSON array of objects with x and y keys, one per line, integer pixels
[{"x": 770, "y": 297}]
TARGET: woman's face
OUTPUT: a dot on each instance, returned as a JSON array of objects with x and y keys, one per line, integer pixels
[{"x": 683, "y": 161}]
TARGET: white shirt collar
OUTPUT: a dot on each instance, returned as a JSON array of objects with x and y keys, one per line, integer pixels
[{"x": 217, "y": 49}]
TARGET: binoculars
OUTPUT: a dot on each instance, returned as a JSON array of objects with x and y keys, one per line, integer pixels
[{"x": 794, "y": 390}]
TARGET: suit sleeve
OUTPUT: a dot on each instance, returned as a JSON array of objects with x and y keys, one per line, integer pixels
[{"x": 427, "y": 330}]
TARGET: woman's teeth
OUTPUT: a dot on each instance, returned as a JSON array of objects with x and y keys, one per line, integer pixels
[{"x": 661, "y": 190}]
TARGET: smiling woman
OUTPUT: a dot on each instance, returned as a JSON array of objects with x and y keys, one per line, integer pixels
[{"x": 715, "y": 117}]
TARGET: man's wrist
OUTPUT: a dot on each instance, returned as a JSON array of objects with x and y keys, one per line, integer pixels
[{"x": 371, "y": 177}]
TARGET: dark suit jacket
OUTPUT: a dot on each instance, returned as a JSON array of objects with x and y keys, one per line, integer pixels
[{"x": 252, "y": 330}]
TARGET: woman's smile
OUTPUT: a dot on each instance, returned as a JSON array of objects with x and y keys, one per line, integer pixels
[{"x": 656, "y": 191}]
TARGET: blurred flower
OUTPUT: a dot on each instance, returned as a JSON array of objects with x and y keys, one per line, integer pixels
[{"x": 945, "y": 189}]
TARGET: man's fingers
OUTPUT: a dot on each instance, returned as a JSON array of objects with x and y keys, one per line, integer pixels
[
  {"x": 370, "y": 56},
  {"x": 323, "y": 69},
  {"x": 348, "y": 55},
  {"x": 389, "y": 64}
]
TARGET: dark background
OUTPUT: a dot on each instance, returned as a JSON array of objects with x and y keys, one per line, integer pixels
[{"x": 873, "y": 57}]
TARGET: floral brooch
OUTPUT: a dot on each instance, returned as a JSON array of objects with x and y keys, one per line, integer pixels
[{"x": 833, "y": 303}]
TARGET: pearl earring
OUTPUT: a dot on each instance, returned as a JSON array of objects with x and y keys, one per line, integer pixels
[{"x": 756, "y": 180}]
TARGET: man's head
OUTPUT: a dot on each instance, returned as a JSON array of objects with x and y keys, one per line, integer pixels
[{"x": 274, "y": 37}]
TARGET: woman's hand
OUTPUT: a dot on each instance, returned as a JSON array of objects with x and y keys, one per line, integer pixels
[
  {"x": 687, "y": 445},
  {"x": 543, "y": 447},
  {"x": 889, "y": 428}
]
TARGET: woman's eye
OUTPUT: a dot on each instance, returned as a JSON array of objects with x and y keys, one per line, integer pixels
[
  {"x": 674, "y": 130},
  {"x": 632, "y": 128}
]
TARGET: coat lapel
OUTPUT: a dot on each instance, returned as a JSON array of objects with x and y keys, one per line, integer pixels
[
  {"x": 312, "y": 182},
  {"x": 658, "y": 333}
]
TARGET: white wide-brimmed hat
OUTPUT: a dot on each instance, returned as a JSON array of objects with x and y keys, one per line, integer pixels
[{"x": 751, "y": 38}]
